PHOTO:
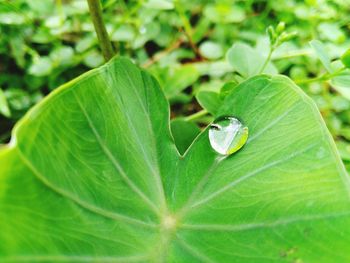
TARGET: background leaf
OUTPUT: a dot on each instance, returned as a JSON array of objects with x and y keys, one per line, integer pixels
[
  {"x": 209, "y": 100},
  {"x": 4, "y": 107},
  {"x": 180, "y": 78},
  {"x": 211, "y": 50},
  {"x": 342, "y": 85},
  {"x": 322, "y": 54},
  {"x": 248, "y": 62}
]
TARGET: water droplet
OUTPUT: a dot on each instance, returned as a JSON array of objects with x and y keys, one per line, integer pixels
[{"x": 227, "y": 135}]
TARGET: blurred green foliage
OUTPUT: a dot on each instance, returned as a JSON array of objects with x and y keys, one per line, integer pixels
[{"x": 192, "y": 47}]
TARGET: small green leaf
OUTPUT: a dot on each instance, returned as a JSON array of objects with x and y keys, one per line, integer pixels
[
  {"x": 41, "y": 66},
  {"x": 284, "y": 37},
  {"x": 272, "y": 34},
  {"x": 247, "y": 61},
  {"x": 213, "y": 68},
  {"x": 280, "y": 27},
  {"x": 12, "y": 18},
  {"x": 44, "y": 8},
  {"x": 211, "y": 50},
  {"x": 160, "y": 4},
  {"x": 85, "y": 43},
  {"x": 345, "y": 58},
  {"x": 54, "y": 21},
  {"x": 331, "y": 31},
  {"x": 42, "y": 36},
  {"x": 322, "y": 54},
  {"x": 18, "y": 99},
  {"x": 17, "y": 45},
  {"x": 201, "y": 29},
  {"x": 4, "y": 107},
  {"x": 63, "y": 56},
  {"x": 179, "y": 78},
  {"x": 93, "y": 59},
  {"x": 224, "y": 13},
  {"x": 342, "y": 84},
  {"x": 209, "y": 100},
  {"x": 124, "y": 33}
]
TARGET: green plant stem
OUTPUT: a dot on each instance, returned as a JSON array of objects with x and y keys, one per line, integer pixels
[
  {"x": 306, "y": 81},
  {"x": 293, "y": 54},
  {"x": 267, "y": 60},
  {"x": 163, "y": 53},
  {"x": 196, "y": 115},
  {"x": 323, "y": 77},
  {"x": 100, "y": 28},
  {"x": 187, "y": 28}
]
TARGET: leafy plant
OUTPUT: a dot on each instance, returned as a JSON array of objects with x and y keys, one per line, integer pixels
[
  {"x": 113, "y": 167},
  {"x": 92, "y": 174}
]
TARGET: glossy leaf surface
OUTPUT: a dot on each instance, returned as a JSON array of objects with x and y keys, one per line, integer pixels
[{"x": 92, "y": 175}]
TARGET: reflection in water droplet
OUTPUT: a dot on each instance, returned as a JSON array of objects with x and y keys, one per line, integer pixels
[{"x": 227, "y": 135}]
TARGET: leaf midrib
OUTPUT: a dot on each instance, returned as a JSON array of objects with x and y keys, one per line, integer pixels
[
  {"x": 157, "y": 175},
  {"x": 114, "y": 162},
  {"x": 264, "y": 225}
]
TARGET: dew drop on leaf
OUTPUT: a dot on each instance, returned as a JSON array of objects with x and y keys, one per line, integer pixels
[{"x": 227, "y": 135}]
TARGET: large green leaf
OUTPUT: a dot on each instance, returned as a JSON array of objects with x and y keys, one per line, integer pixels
[{"x": 92, "y": 174}]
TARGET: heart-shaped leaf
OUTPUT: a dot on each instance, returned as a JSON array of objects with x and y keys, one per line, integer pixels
[
  {"x": 92, "y": 175},
  {"x": 247, "y": 61}
]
